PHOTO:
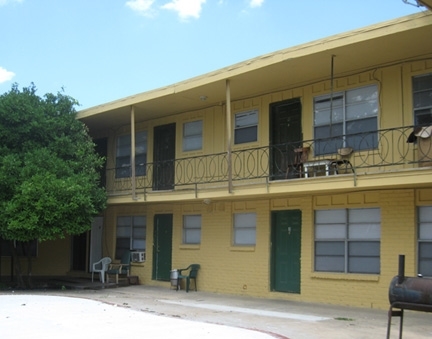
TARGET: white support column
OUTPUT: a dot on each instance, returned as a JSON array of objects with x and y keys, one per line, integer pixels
[
  {"x": 133, "y": 152},
  {"x": 229, "y": 134}
]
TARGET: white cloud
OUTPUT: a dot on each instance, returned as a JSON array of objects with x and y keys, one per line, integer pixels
[
  {"x": 5, "y": 2},
  {"x": 256, "y": 3},
  {"x": 185, "y": 8},
  {"x": 140, "y": 6},
  {"x": 5, "y": 75}
]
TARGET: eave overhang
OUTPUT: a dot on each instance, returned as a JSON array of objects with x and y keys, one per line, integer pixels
[
  {"x": 356, "y": 51},
  {"x": 426, "y": 3}
]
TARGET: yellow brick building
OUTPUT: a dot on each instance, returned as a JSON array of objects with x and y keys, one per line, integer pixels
[{"x": 288, "y": 176}]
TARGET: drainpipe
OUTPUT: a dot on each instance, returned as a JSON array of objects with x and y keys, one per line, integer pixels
[
  {"x": 133, "y": 153},
  {"x": 229, "y": 134}
]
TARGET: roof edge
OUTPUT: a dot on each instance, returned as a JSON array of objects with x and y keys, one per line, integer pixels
[{"x": 390, "y": 27}]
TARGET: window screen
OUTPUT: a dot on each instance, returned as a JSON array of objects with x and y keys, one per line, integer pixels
[
  {"x": 348, "y": 240},
  {"x": 246, "y": 127},
  {"x": 346, "y": 119}
]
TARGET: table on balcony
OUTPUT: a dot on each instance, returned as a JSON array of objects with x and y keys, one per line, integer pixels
[{"x": 330, "y": 167}]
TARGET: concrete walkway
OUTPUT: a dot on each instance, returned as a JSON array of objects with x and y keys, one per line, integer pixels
[{"x": 262, "y": 317}]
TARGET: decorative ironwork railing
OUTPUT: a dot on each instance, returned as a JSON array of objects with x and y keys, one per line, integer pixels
[{"x": 383, "y": 150}]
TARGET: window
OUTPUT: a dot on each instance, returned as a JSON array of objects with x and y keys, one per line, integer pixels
[
  {"x": 131, "y": 234},
  {"x": 422, "y": 99},
  {"x": 123, "y": 155},
  {"x": 192, "y": 229},
  {"x": 425, "y": 240},
  {"x": 348, "y": 240},
  {"x": 353, "y": 121},
  {"x": 246, "y": 127},
  {"x": 245, "y": 229},
  {"x": 192, "y": 135},
  {"x": 22, "y": 248}
]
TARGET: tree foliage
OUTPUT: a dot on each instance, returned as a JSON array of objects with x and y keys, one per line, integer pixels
[{"x": 49, "y": 170}]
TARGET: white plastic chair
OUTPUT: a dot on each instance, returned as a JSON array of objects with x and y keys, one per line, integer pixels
[{"x": 101, "y": 266}]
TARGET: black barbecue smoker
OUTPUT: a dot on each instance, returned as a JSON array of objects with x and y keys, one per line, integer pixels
[{"x": 408, "y": 293}]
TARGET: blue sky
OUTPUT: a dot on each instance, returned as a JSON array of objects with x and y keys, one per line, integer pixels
[{"x": 103, "y": 50}]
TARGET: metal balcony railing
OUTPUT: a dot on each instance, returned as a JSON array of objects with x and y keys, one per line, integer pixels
[{"x": 378, "y": 151}]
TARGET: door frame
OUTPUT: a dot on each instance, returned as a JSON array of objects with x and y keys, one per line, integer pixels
[
  {"x": 283, "y": 158},
  {"x": 96, "y": 235},
  {"x": 164, "y": 151}
]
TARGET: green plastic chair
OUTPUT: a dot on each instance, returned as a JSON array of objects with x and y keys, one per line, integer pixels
[
  {"x": 193, "y": 273},
  {"x": 121, "y": 268}
]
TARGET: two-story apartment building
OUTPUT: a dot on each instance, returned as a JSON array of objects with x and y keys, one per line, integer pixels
[{"x": 299, "y": 175}]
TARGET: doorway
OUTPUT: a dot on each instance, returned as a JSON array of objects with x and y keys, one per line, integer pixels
[
  {"x": 285, "y": 137},
  {"x": 164, "y": 157},
  {"x": 286, "y": 255},
  {"x": 79, "y": 252},
  {"x": 162, "y": 246}
]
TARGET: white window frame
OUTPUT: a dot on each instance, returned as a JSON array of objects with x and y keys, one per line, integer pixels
[
  {"x": 348, "y": 240},
  {"x": 131, "y": 234},
  {"x": 123, "y": 155},
  {"x": 422, "y": 99},
  {"x": 192, "y": 229},
  {"x": 352, "y": 123},
  {"x": 246, "y": 127},
  {"x": 424, "y": 246},
  {"x": 192, "y": 135},
  {"x": 244, "y": 229}
]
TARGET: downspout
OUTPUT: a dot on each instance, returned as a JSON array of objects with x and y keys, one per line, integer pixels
[
  {"x": 133, "y": 153},
  {"x": 229, "y": 134}
]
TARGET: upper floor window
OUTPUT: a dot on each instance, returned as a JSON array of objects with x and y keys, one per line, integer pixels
[
  {"x": 425, "y": 240},
  {"x": 346, "y": 119},
  {"x": 131, "y": 234},
  {"x": 192, "y": 135},
  {"x": 191, "y": 229},
  {"x": 348, "y": 240},
  {"x": 245, "y": 229},
  {"x": 123, "y": 155},
  {"x": 422, "y": 99},
  {"x": 246, "y": 127}
]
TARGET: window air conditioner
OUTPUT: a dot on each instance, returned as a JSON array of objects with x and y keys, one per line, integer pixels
[{"x": 138, "y": 256}]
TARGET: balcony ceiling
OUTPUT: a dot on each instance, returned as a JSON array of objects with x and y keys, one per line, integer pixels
[
  {"x": 426, "y": 3},
  {"x": 355, "y": 51}
]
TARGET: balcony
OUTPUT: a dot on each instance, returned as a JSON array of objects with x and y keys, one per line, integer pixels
[{"x": 383, "y": 151}]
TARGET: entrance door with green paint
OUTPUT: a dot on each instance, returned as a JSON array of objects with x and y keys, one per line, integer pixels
[
  {"x": 162, "y": 246},
  {"x": 286, "y": 241}
]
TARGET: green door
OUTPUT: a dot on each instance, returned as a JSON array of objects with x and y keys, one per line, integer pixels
[
  {"x": 162, "y": 246},
  {"x": 286, "y": 240},
  {"x": 164, "y": 157},
  {"x": 285, "y": 137}
]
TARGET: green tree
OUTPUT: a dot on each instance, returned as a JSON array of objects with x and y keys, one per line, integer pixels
[{"x": 49, "y": 171}]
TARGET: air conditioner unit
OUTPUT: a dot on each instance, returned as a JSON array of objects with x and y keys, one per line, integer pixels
[{"x": 138, "y": 256}]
